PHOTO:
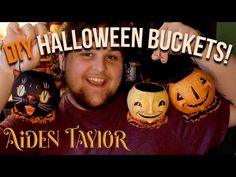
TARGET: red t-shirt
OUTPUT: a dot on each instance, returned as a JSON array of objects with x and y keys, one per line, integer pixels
[{"x": 107, "y": 131}]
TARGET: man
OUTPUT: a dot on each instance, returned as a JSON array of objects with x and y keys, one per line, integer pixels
[{"x": 92, "y": 115}]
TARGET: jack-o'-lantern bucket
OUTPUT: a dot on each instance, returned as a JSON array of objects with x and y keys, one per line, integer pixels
[
  {"x": 148, "y": 104},
  {"x": 193, "y": 93}
]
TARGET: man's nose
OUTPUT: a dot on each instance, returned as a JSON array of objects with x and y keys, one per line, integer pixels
[{"x": 99, "y": 64}]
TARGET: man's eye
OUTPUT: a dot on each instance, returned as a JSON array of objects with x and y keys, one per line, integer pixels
[
  {"x": 111, "y": 57},
  {"x": 87, "y": 54}
]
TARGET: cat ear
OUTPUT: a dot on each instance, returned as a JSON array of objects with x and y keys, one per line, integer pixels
[{"x": 16, "y": 73}]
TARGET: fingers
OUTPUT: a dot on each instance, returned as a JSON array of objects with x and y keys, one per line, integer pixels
[
  {"x": 33, "y": 31},
  {"x": 169, "y": 32},
  {"x": 40, "y": 29},
  {"x": 160, "y": 55},
  {"x": 29, "y": 32},
  {"x": 12, "y": 30},
  {"x": 28, "y": 29}
]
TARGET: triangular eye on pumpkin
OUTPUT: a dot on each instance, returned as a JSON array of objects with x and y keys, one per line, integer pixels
[
  {"x": 148, "y": 104},
  {"x": 193, "y": 93}
]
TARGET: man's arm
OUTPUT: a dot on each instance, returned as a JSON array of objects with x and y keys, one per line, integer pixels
[
  {"x": 223, "y": 75},
  {"x": 225, "y": 79},
  {"x": 6, "y": 82},
  {"x": 14, "y": 33}
]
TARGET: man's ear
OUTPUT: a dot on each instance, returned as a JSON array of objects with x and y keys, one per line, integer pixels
[
  {"x": 61, "y": 61},
  {"x": 16, "y": 73}
]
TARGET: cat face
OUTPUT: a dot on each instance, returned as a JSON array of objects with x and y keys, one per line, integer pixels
[{"x": 35, "y": 94}]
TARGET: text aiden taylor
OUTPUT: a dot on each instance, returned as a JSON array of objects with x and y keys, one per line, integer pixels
[{"x": 48, "y": 138}]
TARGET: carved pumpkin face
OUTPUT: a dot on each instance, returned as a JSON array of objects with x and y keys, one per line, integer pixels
[
  {"x": 148, "y": 102},
  {"x": 194, "y": 93}
]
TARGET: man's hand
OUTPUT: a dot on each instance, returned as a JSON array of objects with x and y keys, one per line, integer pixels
[
  {"x": 14, "y": 33},
  {"x": 174, "y": 27}
]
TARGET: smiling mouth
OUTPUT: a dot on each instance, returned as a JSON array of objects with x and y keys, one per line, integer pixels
[
  {"x": 149, "y": 117},
  {"x": 199, "y": 104},
  {"x": 96, "y": 81}
]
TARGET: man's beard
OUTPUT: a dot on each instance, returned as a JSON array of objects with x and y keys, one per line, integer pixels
[{"x": 83, "y": 100}]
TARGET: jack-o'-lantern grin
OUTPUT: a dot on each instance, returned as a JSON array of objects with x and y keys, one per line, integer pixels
[
  {"x": 198, "y": 104},
  {"x": 149, "y": 116}
]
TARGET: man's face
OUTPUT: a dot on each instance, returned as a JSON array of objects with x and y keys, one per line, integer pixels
[{"x": 93, "y": 76}]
